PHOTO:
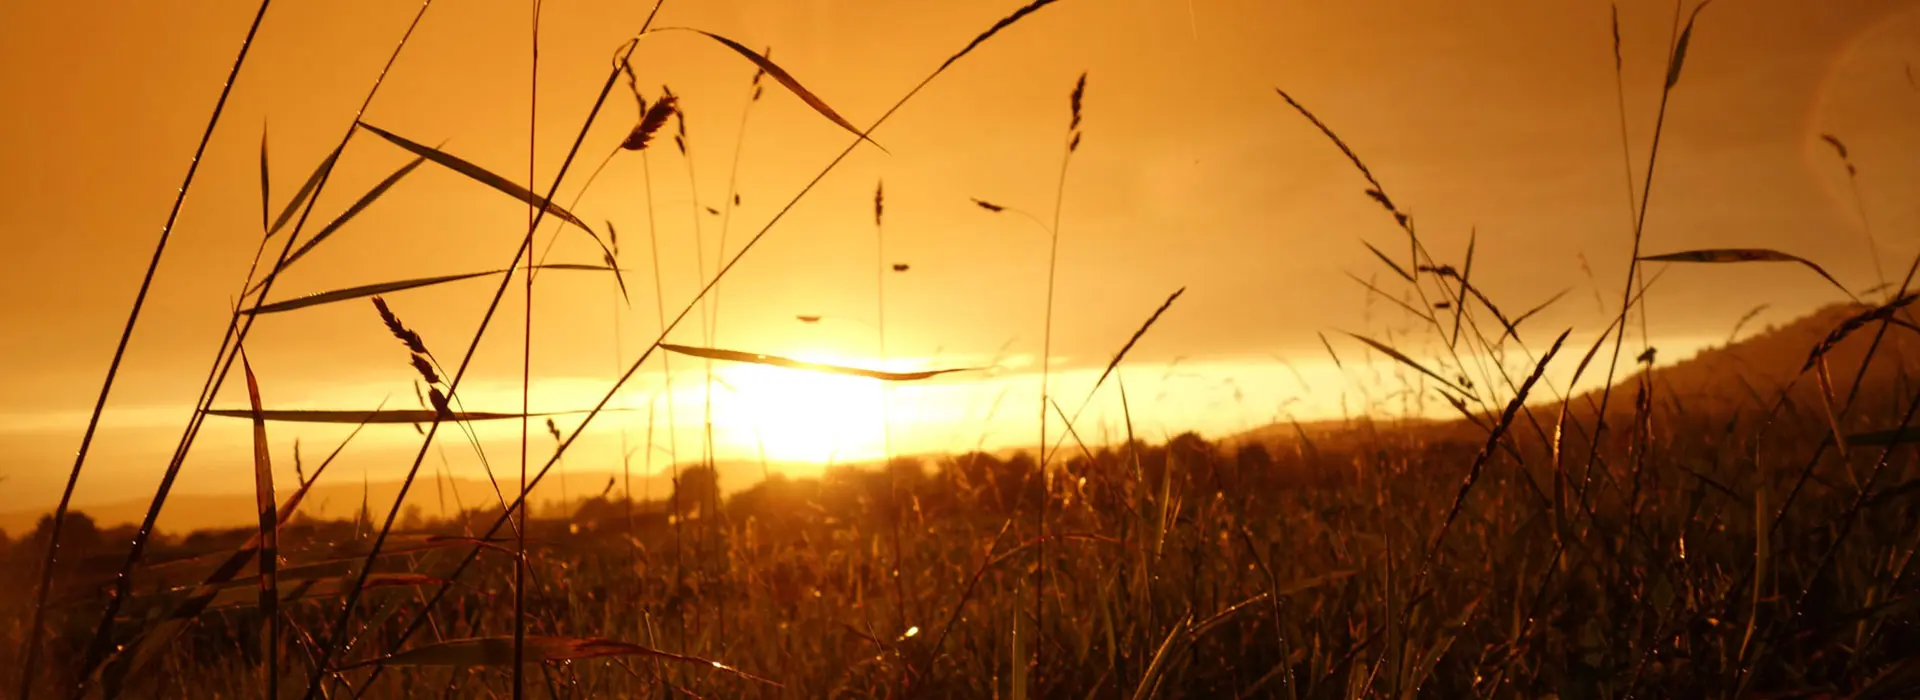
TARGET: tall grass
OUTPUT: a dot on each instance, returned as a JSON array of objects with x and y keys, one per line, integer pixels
[{"x": 32, "y": 651}]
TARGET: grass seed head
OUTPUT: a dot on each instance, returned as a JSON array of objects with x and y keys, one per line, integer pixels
[{"x": 650, "y": 122}]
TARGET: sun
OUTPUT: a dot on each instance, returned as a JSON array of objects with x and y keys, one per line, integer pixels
[{"x": 801, "y": 416}]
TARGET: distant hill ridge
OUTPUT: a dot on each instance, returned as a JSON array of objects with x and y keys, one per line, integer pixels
[
  {"x": 330, "y": 499},
  {"x": 1720, "y": 378},
  {"x": 1714, "y": 381}
]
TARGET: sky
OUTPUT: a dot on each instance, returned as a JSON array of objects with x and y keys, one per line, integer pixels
[{"x": 1495, "y": 122}]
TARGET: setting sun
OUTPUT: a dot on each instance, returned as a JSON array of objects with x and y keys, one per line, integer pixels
[{"x": 800, "y": 416}]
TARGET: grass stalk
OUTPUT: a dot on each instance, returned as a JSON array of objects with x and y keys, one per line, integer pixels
[
  {"x": 526, "y": 365},
  {"x": 30, "y": 660},
  {"x": 1675, "y": 56}
]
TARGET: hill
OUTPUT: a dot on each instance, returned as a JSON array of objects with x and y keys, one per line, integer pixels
[
  {"x": 1743, "y": 375},
  {"x": 1753, "y": 372},
  {"x": 435, "y": 498}
]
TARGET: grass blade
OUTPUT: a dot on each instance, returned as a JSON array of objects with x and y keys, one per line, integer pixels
[
  {"x": 1144, "y": 327},
  {"x": 785, "y": 79},
  {"x": 482, "y": 176},
  {"x": 306, "y": 589},
  {"x": 1466, "y": 274},
  {"x": 359, "y": 205},
  {"x": 789, "y": 363},
  {"x": 1680, "y": 48},
  {"x": 1004, "y": 22},
  {"x": 1396, "y": 301},
  {"x": 306, "y": 190},
  {"x": 367, "y": 290},
  {"x": 378, "y": 288},
  {"x": 1741, "y": 255},
  {"x": 269, "y": 530},
  {"x": 1883, "y": 312},
  {"x": 1480, "y": 461},
  {"x": 1408, "y": 361},
  {"x": 1330, "y": 353},
  {"x": 266, "y": 193},
  {"x": 1402, "y": 272},
  {"x": 1530, "y": 312},
  {"x": 1156, "y": 669},
  {"x": 377, "y": 417}
]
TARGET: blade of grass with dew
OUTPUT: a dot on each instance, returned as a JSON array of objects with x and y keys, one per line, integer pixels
[
  {"x": 269, "y": 533},
  {"x": 31, "y": 653},
  {"x": 108, "y": 679},
  {"x": 1162, "y": 656}
]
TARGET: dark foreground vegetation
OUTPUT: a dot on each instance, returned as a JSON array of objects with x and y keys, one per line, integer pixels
[{"x": 1701, "y": 557}]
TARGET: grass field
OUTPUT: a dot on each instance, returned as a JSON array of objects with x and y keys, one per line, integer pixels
[{"x": 1742, "y": 524}]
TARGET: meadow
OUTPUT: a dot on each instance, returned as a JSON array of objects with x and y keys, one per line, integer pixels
[{"x": 1741, "y": 524}]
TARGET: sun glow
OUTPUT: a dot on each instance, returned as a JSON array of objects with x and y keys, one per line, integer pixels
[{"x": 801, "y": 416}]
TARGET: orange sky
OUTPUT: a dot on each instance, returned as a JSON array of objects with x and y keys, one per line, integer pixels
[{"x": 1496, "y": 116}]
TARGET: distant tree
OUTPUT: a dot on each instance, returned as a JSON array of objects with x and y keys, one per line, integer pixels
[
  {"x": 412, "y": 518},
  {"x": 778, "y": 499},
  {"x": 79, "y": 538},
  {"x": 78, "y": 533},
  {"x": 910, "y": 473},
  {"x": 1016, "y": 482},
  {"x": 696, "y": 489}
]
